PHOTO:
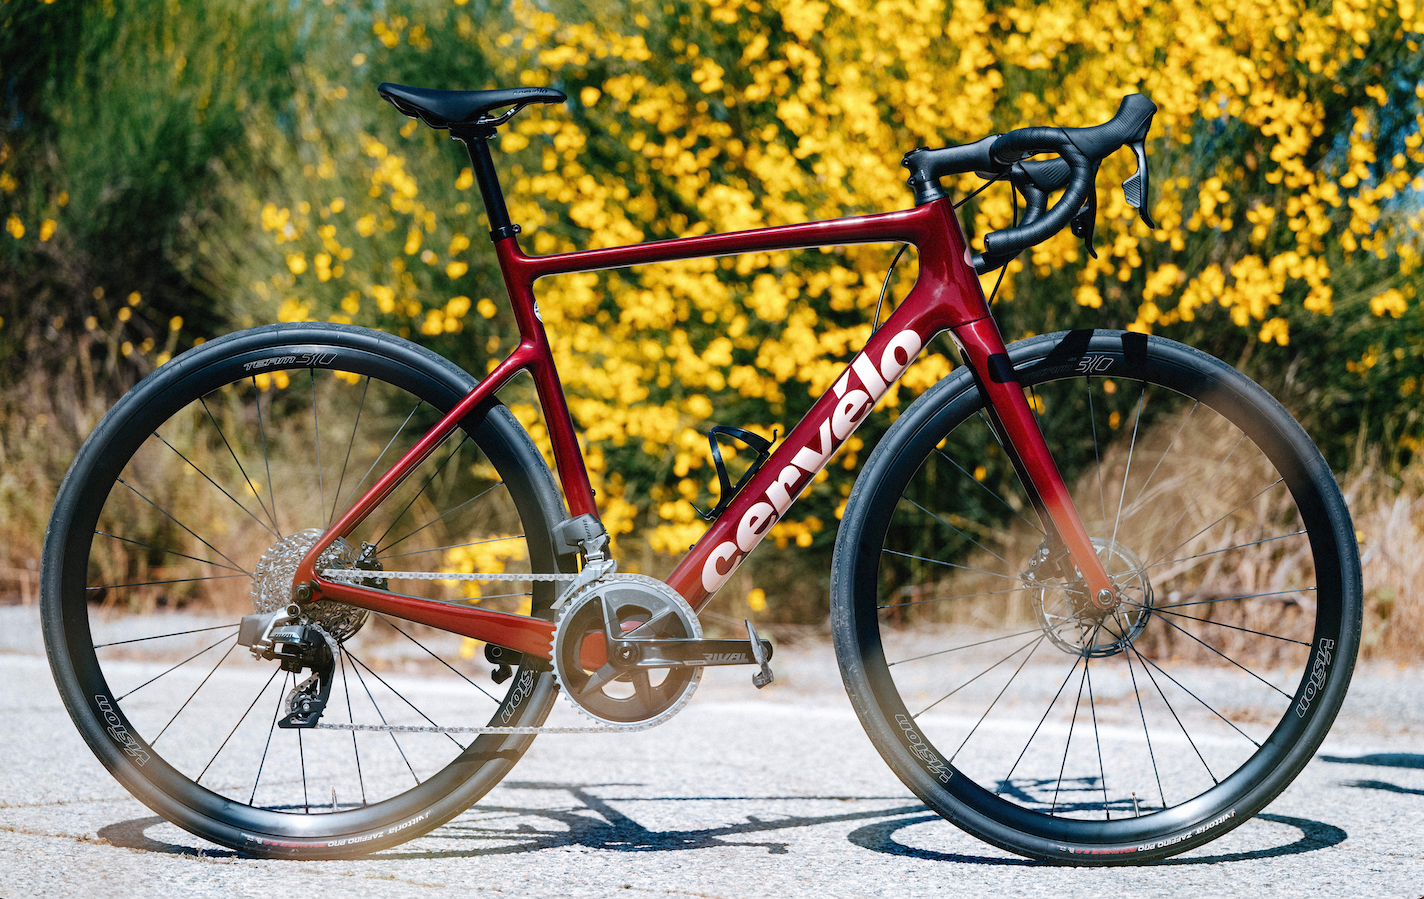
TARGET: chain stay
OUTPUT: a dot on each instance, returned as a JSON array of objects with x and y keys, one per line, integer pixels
[
  {"x": 414, "y": 729},
  {"x": 356, "y": 575}
]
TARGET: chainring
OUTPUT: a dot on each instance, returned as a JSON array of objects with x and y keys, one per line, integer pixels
[{"x": 641, "y": 608}]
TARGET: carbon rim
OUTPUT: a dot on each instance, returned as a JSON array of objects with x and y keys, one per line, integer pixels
[
  {"x": 1040, "y": 763},
  {"x": 143, "y": 617}
]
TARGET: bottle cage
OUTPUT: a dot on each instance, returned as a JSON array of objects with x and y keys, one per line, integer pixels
[{"x": 729, "y": 492}]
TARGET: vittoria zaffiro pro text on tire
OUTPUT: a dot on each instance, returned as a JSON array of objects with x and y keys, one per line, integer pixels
[
  {"x": 1022, "y": 716},
  {"x": 188, "y": 509}
]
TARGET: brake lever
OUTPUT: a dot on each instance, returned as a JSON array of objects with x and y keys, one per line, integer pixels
[
  {"x": 1135, "y": 187},
  {"x": 1085, "y": 220}
]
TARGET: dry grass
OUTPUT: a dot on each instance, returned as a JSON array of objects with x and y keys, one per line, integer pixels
[
  {"x": 1219, "y": 523},
  {"x": 43, "y": 421},
  {"x": 1389, "y": 521}
]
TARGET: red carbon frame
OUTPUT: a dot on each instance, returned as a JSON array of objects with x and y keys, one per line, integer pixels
[{"x": 946, "y": 296}]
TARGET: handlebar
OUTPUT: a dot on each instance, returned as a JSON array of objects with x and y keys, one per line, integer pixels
[{"x": 1080, "y": 150}]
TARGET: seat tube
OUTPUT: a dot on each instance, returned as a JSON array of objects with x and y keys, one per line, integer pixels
[{"x": 983, "y": 348}]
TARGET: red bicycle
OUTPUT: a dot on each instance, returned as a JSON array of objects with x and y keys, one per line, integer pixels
[{"x": 1096, "y": 596}]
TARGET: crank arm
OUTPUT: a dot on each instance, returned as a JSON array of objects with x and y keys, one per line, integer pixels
[{"x": 684, "y": 653}]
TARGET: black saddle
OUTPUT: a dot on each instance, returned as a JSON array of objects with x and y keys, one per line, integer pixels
[{"x": 457, "y": 109}]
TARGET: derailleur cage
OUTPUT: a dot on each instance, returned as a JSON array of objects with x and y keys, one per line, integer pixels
[
  {"x": 759, "y": 444},
  {"x": 280, "y": 636}
]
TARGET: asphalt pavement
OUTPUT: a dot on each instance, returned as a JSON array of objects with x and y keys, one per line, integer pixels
[{"x": 772, "y": 793}]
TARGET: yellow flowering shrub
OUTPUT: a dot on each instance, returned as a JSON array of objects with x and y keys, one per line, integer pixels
[{"x": 1286, "y": 177}]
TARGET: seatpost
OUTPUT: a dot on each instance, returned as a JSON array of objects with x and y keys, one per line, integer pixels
[{"x": 476, "y": 141}]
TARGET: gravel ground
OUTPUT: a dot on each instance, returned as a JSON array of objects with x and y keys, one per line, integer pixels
[{"x": 746, "y": 793}]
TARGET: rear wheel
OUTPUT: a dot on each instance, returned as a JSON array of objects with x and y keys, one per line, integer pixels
[
  {"x": 190, "y": 506},
  {"x": 994, "y": 691}
]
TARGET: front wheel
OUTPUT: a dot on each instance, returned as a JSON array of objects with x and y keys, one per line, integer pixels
[
  {"x": 189, "y": 508},
  {"x": 1015, "y": 711}
]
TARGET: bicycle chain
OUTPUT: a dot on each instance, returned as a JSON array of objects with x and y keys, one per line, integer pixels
[{"x": 355, "y": 575}]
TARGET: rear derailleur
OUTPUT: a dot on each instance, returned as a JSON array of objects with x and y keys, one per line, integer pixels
[{"x": 279, "y": 635}]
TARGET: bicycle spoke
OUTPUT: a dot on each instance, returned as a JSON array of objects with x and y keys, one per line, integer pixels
[
  {"x": 421, "y": 492},
  {"x": 200, "y": 686},
  {"x": 197, "y": 630},
  {"x": 1151, "y": 755},
  {"x": 266, "y": 461},
  {"x": 379, "y": 714},
  {"x": 223, "y": 745},
  {"x": 400, "y": 696},
  {"x": 1225, "y": 549},
  {"x": 443, "y": 516},
  {"x": 977, "y": 676},
  {"x": 1187, "y": 506},
  {"x": 1097, "y": 454},
  {"x": 940, "y": 652},
  {"x": 1097, "y": 740},
  {"x": 916, "y": 602},
  {"x": 989, "y": 491},
  {"x": 1229, "y": 658},
  {"x": 1239, "y": 506},
  {"x": 351, "y": 719},
  {"x": 964, "y": 535},
  {"x": 1007, "y": 577},
  {"x": 400, "y": 430},
  {"x": 260, "y": 523},
  {"x": 175, "y": 667},
  {"x": 452, "y": 668},
  {"x": 1233, "y": 627},
  {"x": 271, "y": 729},
  {"x": 1162, "y": 458},
  {"x": 351, "y": 444},
  {"x": 250, "y": 486},
  {"x": 997, "y": 697},
  {"x": 1127, "y": 470},
  {"x": 180, "y": 580},
  {"x": 1204, "y": 602},
  {"x": 1161, "y": 693},
  {"x": 436, "y": 549},
  {"x": 170, "y": 552},
  {"x": 302, "y": 761},
  {"x": 1203, "y": 702},
  {"x": 316, "y": 440},
  {"x": 1009, "y": 777},
  {"x": 164, "y": 513},
  {"x": 1068, "y": 743}
]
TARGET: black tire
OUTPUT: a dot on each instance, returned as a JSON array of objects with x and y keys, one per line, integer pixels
[
  {"x": 233, "y": 447},
  {"x": 1197, "y": 701}
]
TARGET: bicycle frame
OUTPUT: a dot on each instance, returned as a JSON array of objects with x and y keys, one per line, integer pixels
[{"x": 946, "y": 296}]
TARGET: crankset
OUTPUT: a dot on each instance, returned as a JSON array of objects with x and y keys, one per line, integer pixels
[{"x": 631, "y": 651}]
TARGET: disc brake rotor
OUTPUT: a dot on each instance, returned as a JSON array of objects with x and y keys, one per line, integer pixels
[
  {"x": 636, "y": 608},
  {"x": 1078, "y": 628}
]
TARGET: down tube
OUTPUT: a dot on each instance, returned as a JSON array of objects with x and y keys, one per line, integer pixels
[{"x": 809, "y": 447}]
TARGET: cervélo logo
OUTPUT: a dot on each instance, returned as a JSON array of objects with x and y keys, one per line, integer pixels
[{"x": 855, "y": 397}]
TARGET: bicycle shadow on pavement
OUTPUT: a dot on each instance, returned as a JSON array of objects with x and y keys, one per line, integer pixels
[
  {"x": 590, "y": 821},
  {"x": 879, "y": 837},
  {"x": 1381, "y": 760}
]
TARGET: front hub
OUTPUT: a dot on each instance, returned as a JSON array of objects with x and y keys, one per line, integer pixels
[{"x": 1079, "y": 626}]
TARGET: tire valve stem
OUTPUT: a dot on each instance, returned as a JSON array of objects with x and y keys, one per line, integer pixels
[
  {"x": 1136, "y": 812},
  {"x": 333, "y": 800}
]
